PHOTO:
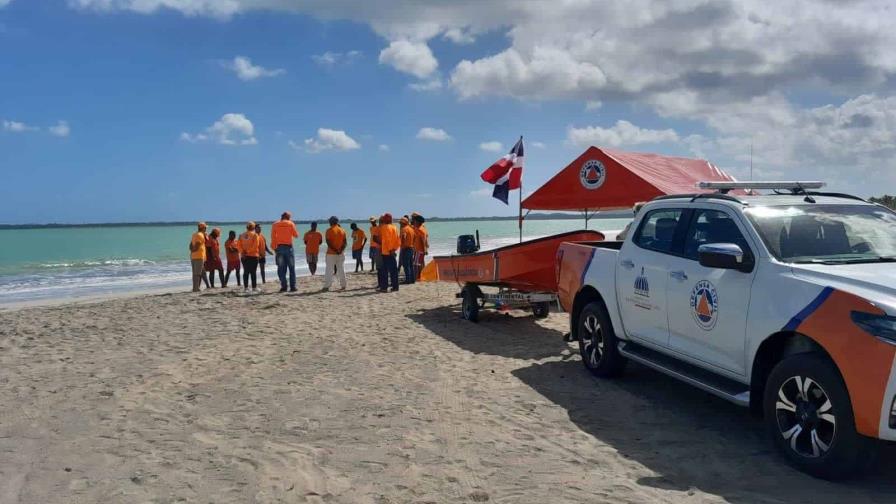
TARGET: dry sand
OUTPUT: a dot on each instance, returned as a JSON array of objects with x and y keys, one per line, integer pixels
[{"x": 358, "y": 397}]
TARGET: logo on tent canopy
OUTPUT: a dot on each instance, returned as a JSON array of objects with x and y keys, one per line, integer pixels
[
  {"x": 705, "y": 305},
  {"x": 593, "y": 174}
]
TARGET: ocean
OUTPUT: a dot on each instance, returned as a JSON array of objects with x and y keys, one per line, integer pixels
[{"x": 52, "y": 264}]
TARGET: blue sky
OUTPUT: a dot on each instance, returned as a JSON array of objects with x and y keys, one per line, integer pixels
[{"x": 108, "y": 107}]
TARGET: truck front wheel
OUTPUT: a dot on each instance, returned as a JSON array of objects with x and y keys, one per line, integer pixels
[
  {"x": 597, "y": 342},
  {"x": 810, "y": 419}
]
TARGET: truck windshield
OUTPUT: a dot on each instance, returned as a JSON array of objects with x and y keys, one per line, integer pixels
[{"x": 827, "y": 234}]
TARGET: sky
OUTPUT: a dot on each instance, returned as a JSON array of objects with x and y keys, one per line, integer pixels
[{"x": 179, "y": 110}]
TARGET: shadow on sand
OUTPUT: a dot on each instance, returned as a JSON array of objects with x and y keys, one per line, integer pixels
[{"x": 690, "y": 439}]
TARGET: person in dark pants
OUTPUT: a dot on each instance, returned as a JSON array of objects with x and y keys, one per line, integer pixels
[
  {"x": 213, "y": 257},
  {"x": 250, "y": 249},
  {"x": 282, "y": 233},
  {"x": 359, "y": 239},
  {"x": 390, "y": 243},
  {"x": 232, "y": 250},
  {"x": 262, "y": 257},
  {"x": 406, "y": 254}
]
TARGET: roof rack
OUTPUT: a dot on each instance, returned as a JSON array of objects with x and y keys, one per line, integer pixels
[
  {"x": 794, "y": 186},
  {"x": 695, "y": 196},
  {"x": 836, "y": 195}
]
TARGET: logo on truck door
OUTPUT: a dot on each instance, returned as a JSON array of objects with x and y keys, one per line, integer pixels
[
  {"x": 642, "y": 286},
  {"x": 593, "y": 174},
  {"x": 705, "y": 305}
]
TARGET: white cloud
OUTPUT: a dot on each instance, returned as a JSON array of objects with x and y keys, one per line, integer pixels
[
  {"x": 18, "y": 127},
  {"x": 413, "y": 58},
  {"x": 459, "y": 36},
  {"x": 230, "y": 129},
  {"x": 61, "y": 129},
  {"x": 538, "y": 145},
  {"x": 592, "y": 105},
  {"x": 329, "y": 139},
  {"x": 384, "y": 148},
  {"x": 491, "y": 146},
  {"x": 430, "y": 85},
  {"x": 332, "y": 58},
  {"x": 435, "y": 134},
  {"x": 245, "y": 70},
  {"x": 622, "y": 133}
]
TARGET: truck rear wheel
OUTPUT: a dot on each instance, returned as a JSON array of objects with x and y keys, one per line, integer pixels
[
  {"x": 597, "y": 342},
  {"x": 810, "y": 419}
]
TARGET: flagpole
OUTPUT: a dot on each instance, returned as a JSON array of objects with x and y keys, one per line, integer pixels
[{"x": 520, "y": 215}]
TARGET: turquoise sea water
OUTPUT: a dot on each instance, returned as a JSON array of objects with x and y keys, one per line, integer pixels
[{"x": 64, "y": 263}]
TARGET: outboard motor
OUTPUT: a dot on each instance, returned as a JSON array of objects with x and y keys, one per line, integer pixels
[{"x": 468, "y": 244}]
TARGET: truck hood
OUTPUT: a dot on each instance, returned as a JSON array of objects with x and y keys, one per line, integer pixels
[{"x": 875, "y": 282}]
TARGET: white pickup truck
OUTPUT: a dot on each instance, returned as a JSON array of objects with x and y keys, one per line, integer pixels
[{"x": 784, "y": 303}]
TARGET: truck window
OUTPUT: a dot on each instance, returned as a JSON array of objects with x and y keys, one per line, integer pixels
[
  {"x": 657, "y": 230},
  {"x": 712, "y": 226}
]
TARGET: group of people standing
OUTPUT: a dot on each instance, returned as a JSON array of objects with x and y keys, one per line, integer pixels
[{"x": 391, "y": 249}]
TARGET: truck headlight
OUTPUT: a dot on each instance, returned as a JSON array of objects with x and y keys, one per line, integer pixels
[{"x": 881, "y": 326}]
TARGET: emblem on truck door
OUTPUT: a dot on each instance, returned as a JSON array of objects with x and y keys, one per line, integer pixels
[
  {"x": 705, "y": 305},
  {"x": 593, "y": 174},
  {"x": 642, "y": 287}
]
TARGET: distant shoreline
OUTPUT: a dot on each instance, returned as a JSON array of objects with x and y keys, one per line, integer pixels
[{"x": 537, "y": 216}]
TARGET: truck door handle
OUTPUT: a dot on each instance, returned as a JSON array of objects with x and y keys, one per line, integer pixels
[
  {"x": 627, "y": 264},
  {"x": 678, "y": 275}
]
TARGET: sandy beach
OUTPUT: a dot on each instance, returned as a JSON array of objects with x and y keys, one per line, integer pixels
[{"x": 358, "y": 397}]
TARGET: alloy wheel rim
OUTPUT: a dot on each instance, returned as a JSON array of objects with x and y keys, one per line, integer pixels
[
  {"x": 593, "y": 342},
  {"x": 805, "y": 417}
]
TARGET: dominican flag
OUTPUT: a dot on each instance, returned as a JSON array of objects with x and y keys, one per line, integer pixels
[{"x": 507, "y": 173}]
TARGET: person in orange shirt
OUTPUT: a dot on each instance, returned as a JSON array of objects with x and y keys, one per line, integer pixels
[
  {"x": 232, "y": 251},
  {"x": 250, "y": 247},
  {"x": 421, "y": 241},
  {"x": 312, "y": 239},
  {"x": 336, "y": 243},
  {"x": 359, "y": 239},
  {"x": 263, "y": 254},
  {"x": 390, "y": 243},
  {"x": 282, "y": 233},
  {"x": 197, "y": 256},
  {"x": 213, "y": 257},
  {"x": 375, "y": 259},
  {"x": 406, "y": 255}
]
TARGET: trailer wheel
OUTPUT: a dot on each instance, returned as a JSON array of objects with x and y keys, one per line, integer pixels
[
  {"x": 470, "y": 305},
  {"x": 541, "y": 310}
]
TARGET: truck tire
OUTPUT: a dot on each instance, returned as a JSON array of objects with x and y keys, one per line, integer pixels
[
  {"x": 598, "y": 343},
  {"x": 810, "y": 419},
  {"x": 541, "y": 310},
  {"x": 469, "y": 307}
]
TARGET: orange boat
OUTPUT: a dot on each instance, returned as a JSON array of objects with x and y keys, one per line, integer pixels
[{"x": 528, "y": 266}]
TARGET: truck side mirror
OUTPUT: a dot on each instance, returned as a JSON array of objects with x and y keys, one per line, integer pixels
[{"x": 725, "y": 256}]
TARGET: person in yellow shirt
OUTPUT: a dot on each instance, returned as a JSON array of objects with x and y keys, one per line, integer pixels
[
  {"x": 336, "y": 243},
  {"x": 406, "y": 255},
  {"x": 263, "y": 255},
  {"x": 312, "y": 239},
  {"x": 198, "y": 255},
  {"x": 250, "y": 247},
  {"x": 375, "y": 259},
  {"x": 359, "y": 239},
  {"x": 421, "y": 242},
  {"x": 390, "y": 243}
]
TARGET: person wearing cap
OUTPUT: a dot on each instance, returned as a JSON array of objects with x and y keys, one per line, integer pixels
[
  {"x": 250, "y": 249},
  {"x": 390, "y": 243},
  {"x": 282, "y": 233},
  {"x": 406, "y": 254},
  {"x": 335, "y": 261},
  {"x": 359, "y": 239},
  {"x": 421, "y": 242},
  {"x": 312, "y": 240},
  {"x": 375, "y": 259},
  {"x": 198, "y": 255},
  {"x": 262, "y": 257}
]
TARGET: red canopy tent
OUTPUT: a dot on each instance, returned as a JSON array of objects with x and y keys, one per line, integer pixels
[{"x": 609, "y": 179}]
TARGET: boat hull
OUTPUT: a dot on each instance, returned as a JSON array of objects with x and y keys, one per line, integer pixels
[{"x": 527, "y": 266}]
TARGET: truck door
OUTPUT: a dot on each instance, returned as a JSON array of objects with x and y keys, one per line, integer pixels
[
  {"x": 642, "y": 275},
  {"x": 708, "y": 306}
]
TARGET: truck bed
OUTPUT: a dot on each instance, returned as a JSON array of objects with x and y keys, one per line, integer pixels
[{"x": 573, "y": 261}]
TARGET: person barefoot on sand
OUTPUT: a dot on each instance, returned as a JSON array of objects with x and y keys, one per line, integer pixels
[
  {"x": 312, "y": 239},
  {"x": 262, "y": 258},
  {"x": 233, "y": 258},
  {"x": 359, "y": 239},
  {"x": 250, "y": 249},
  {"x": 336, "y": 242},
  {"x": 197, "y": 256},
  {"x": 213, "y": 257}
]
